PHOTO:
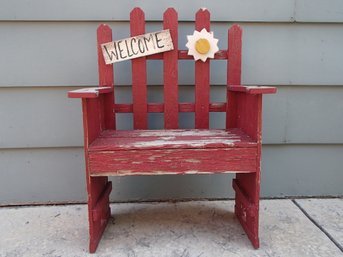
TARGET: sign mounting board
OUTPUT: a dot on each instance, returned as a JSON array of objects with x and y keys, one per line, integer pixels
[{"x": 138, "y": 46}]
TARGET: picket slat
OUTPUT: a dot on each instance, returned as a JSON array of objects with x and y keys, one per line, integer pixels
[
  {"x": 139, "y": 77},
  {"x": 106, "y": 77},
  {"x": 234, "y": 55},
  {"x": 202, "y": 77},
  {"x": 170, "y": 72},
  {"x": 233, "y": 71}
]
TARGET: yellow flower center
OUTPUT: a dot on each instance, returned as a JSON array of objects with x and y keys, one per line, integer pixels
[{"x": 202, "y": 46}]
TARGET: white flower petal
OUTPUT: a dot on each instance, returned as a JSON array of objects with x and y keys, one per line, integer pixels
[{"x": 198, "y": 35}]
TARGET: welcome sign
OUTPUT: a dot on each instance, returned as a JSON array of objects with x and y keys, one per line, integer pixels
[{"x": 134, "y": 47}]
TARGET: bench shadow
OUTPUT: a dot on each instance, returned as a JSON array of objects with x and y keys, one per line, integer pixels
[{"x": 150, "y": 224}]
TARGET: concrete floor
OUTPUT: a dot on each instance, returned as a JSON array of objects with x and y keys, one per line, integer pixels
[{"x": 306, "y": 227}]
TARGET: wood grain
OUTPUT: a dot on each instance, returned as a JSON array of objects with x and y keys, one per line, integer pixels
[
  {"x": 170, "y": 139},
  {"x": 254, "y": 90},
  {"x": 172, "y": 161},
  {"x": 139, "y": 77},
  {"x": 141, "y": 151},
  {"x": 138, "y": 46},
  {"x": 202, "y": 77},
  {"x": 159, "y": 107},
  {"x": 233, "y": 71},
  {"x": 183, "y": 55},
  {"x": 106, "y": 76},
  {"x": 170, "y": 73}
]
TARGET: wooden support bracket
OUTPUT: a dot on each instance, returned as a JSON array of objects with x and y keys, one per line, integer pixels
[
  {"x": 248, "y": 207},
  {"x": 247, "y": 214},
  {"x": 101, "y": 210}
]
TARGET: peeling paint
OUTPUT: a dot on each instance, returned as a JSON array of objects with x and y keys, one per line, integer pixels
[
  {"x": 190, "y": 143},
  {"x": 193, "y": 161},
  {"x": 178, "y": 132}
]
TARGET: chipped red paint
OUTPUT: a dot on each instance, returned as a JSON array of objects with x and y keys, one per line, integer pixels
[
  {"x": 253, "y": 90},
  {"x": 173, "y": 161},
  {"x": 111, "y": 140},
  {"x": 110, "y": 152},
  {"x": 139, "y": 76},
  {"x": 202, "y": 77},
  {"x": 183, "y": 55},
  {"x": 170, "y": 73},
  {"x": 159, "y": 107}
]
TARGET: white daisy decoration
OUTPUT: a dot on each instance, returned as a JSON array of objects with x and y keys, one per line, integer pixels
[{"x": 202, "y": 45}]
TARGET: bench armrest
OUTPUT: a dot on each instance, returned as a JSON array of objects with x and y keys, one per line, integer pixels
[
  {"x": 245, "y": 108},
  {"x": 254, "y": 90},
  {"x": 97, "y": 108},
  {"x": 89, "y": 92}
]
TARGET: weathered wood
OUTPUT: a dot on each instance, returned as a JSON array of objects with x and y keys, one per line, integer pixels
[
  {"x": 106, "y": 76},
  {"x": 104, "y": 34},
  {"x": 250, "y": 106},
  {"x": 249, "y": 207},
  {"x": 138, "y": 46},
  {"x": 183, "y": 55},
  {"x": 237, "y": 149},
  {"x": 202, "y": 77},
  {"x": 234, "y": 55},
  {"x": 97, "y": 115},
  {"x": 139, "y": 79},
  {"x": 233, "y": 71},
  {"x": 172, "y": 161},
  {"x": 89, "y": 92},
  {"x": 254, "y": 90},
  {"x": 249, "y": 114},
  {"x": 244, "y": 110},
  {"x": 248, "y": 191},
  {"x": 210, "y": 133},
  {"x": 170, "y": 73},
  {"x": 100, "y": 210},
  {"x": 171, "y": 139},
  {"x": 159, "y": 108},
  {"x": 92, "y": 122},
  {"x": 95, "y": 188}
]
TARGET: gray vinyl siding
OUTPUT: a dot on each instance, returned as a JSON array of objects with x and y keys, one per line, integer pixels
[
  {"x": 45, "y": 117},
  {"x": 228, "y": 10},
  {"x": 64, "y": 54},
  {"x": 48, "y": 48},
  {"x": 108, "y": 10}
]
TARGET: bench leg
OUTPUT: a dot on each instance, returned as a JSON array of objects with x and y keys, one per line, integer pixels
[
  {"x": 247, "y": 188},
  {"x": 99, "y": 212}
]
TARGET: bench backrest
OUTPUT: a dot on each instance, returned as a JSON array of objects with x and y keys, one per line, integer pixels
[{"x": 171, "y": 105}]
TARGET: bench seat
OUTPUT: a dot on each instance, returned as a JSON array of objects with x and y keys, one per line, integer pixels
[{"x": 180, "y": 151}]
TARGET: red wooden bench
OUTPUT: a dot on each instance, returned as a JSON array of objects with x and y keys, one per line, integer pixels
[{"x": 111, "y": 152}]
